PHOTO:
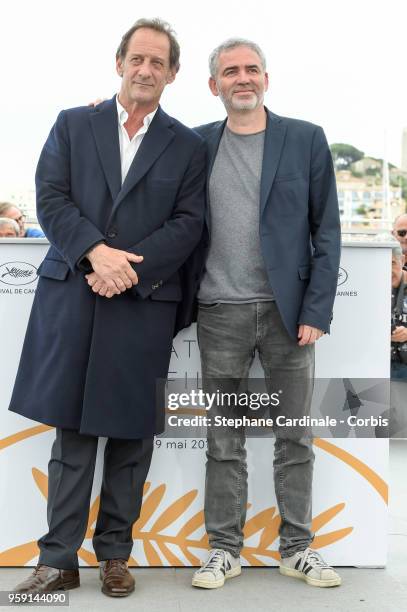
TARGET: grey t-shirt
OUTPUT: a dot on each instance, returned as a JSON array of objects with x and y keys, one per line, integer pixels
[{"x": 235, "y": 270}]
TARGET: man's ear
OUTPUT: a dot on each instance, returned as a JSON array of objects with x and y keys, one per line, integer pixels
[
  {"x": 213, "y": 86},
  {"x": 171, "y": 76},
  {"x": 119, "y": 66},
  {"x": 266, "y": 81}
]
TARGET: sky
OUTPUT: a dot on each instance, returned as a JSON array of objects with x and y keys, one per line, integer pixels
[{"x": 341, "y": 65}]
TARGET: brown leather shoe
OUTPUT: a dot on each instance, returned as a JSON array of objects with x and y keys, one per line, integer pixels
[
  {"x": 45, "y": 579},
  {"x": 116, "y": 578}
]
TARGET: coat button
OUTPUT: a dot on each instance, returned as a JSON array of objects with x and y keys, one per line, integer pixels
[
  {"x": 112, "y": 233},
  {"x": 156, "y": 284}
]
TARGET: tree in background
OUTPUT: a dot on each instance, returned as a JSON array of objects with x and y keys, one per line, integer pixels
[{"x": 344, "y": 155}]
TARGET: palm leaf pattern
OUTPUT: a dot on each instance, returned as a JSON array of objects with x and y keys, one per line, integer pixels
[{"x": 191, "y": 538}]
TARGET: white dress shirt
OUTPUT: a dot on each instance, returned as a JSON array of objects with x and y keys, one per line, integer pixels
[{"x": 129, "y": 148}]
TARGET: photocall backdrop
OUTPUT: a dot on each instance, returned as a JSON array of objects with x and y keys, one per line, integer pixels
[{"x": 350, "y": 491}]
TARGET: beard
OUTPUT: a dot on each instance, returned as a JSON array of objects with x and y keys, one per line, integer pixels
[{"x": 251, "y": 103}]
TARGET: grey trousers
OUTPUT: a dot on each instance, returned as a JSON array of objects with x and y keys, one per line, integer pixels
[
  {"x": 228, "y": 336},
  {"x": 70, "y": 478}
]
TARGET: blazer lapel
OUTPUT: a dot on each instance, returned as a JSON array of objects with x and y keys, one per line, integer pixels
[
  {"x": 105, "y": 131},
  {"x": 212, "y": 142},
  {"x": 273, "y": 146},
  {"x": 157, "y": 138}
]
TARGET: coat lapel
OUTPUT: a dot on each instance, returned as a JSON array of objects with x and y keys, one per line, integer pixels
[
  {"x": 212, "y": 142},
  {"x": 105, "y": 131},
  {"x": 273, "y": 146},
  {"x": 157, "y": 138}
]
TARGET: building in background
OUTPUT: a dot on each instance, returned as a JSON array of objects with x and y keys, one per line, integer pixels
[
  {"x": 371, "y": 191},
  {"x": 362, "y": 201}
]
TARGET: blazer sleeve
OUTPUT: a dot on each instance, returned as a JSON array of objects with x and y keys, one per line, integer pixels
[
  {"x": 64, "y": 226},
  {"x": 325, "y": 231},
  {"x": 168, "y": 247}
]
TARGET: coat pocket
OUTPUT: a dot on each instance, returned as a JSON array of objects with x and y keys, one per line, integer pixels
[
  {"x": 287, "y": 177},
  {"x": 50, "y": 268}
]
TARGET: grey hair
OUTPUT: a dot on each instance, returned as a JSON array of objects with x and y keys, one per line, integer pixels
[
  {"x": 397, "y": 251},
  {"x": 5, "y": 207},
  {"x": 232, "y": 43},
  {"x": 5, "y": 221}
]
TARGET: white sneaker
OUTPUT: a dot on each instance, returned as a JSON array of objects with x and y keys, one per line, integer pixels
[
  {"x": 220, "y": 566},
  {"x": 308, "y": 565}
]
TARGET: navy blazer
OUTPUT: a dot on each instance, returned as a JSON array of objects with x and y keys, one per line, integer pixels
[{"x": 299, "y": 222}]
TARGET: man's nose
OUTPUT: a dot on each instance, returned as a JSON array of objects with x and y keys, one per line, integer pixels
[
  {"x": 243, "y": 77},
  {"x": 144, "y": 70}
]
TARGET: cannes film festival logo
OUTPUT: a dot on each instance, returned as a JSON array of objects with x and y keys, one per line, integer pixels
[
  {"x": 342, "y": 276},
  {"x": 17, "y": 273}
]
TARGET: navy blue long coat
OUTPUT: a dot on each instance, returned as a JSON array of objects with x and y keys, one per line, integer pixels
[{"x": 90, "y": 363}]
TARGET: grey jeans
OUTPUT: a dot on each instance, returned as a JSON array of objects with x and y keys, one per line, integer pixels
[{"x": 228, "y": 336}]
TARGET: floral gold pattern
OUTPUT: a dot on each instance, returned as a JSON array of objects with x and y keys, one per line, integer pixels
[{"x": 159, "y": 546}]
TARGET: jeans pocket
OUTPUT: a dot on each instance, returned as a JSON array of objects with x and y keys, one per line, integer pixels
[{"x": 207, "y": 307}]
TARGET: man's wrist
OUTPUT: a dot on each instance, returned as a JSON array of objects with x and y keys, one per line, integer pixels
[
  {"x": 84, "y": 264},
  {"x": 91, "y": 252}
]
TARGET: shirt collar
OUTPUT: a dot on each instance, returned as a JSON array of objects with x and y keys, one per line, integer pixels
[{"x": 123, "y": 115}]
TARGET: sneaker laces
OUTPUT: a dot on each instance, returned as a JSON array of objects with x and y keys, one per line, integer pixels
[
  {"x": 217, "y": 559},
  {"x": 314, "y": 559}
]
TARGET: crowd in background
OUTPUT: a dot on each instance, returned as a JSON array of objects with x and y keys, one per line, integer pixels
[{"x": 12, "y": 223}]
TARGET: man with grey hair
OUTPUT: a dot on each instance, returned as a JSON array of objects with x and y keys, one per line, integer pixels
[
  {"x": 268, "y": 268},
  {"x": 9, "y": 228}
]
